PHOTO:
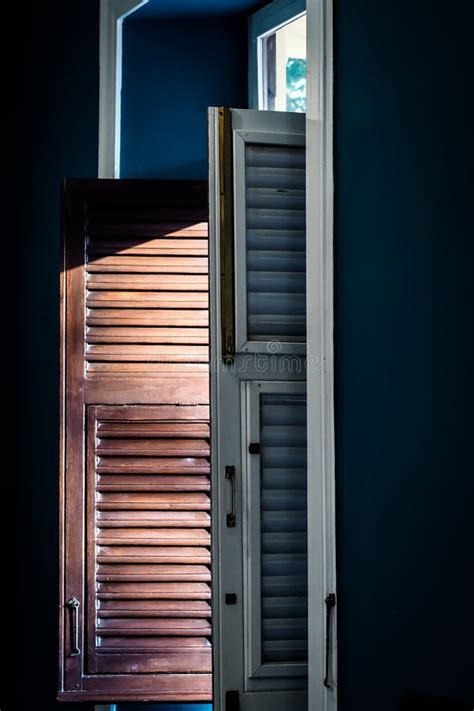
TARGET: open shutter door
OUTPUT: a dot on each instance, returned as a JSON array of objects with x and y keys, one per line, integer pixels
[
  {"x": 135, "y": 463},
  {"x": 259, "y": 328}
]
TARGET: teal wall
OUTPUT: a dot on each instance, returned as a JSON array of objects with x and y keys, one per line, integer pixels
[
  {"x": 404, "y": 346},
  {"x": 173, "y": 70},
  {"x": 404, "y": 350},
  {"x": 56, "y": 66}
]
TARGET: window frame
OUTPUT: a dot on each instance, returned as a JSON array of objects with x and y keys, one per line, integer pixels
[{"x": 262, "y": 23}]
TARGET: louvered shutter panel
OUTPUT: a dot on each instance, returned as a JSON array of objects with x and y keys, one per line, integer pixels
[
  {"x": 283, "y": 528},
  {"x": 275, "y": 241},
  {"x": 135, "y": 466}
]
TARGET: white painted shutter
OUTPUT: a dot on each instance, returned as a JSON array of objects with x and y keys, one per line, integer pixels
[{"x": 259, "y": 405}]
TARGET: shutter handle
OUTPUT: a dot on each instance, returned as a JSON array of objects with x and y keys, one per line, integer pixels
[
  {"x": 230, "y": 476},
  {"x": 73, "y": 605},
  {"x": 330, "y": 602}
]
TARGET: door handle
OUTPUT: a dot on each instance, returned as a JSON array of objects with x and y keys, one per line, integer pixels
[
  {"x": 330, "y": 602},
  {"x": 73, "y": 606},
  {"x": 230, "y": 476}
]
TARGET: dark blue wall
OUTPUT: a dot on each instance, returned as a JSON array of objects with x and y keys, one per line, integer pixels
[
  {"x": 404, "y": 350},
  {"x": 57, "y": 66},
  {"x": 172, "y": 71}
]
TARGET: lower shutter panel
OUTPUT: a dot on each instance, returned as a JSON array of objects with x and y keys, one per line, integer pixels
[{"x": 150, "y": 499}]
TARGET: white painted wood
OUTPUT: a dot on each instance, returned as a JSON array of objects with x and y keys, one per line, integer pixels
[
  {"x": 112, "y": 14},
  {"x": 320, "y": 324},
  {"x": 230, "y": 633}
]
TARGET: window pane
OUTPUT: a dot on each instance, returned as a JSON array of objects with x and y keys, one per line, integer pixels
[{"x": 284, "y": 68}]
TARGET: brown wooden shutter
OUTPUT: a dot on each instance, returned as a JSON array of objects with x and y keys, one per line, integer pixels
[{"x": 135, "y": 460}]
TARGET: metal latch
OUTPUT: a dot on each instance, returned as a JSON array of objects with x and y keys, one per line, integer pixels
[{"x": 232, "y": 700}]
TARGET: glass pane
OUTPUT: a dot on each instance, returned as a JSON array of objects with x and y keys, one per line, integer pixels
[
  {"x": 284, "y": 549},
  {"x": 284, "y": 68}
]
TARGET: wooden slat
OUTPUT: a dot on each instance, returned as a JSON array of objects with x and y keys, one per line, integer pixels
[
  {"x": 153, "y": 537},
  {"x": 154, "y": 591},
  {"x": 154, "y": 608},
  {"x": 146, "y": 231},
  {"x": 148, "y": 317},
  {"x": 150, "y": 465},
  {"x": 145, "y": 369},
  {"x": 154, "y": 627},
  {"x": 166, "y": 282},
  {"x": 154, "y": 265},
  {"x": 155, "y": 413},
  {"x": 158, "y": 447},
  {"x": 153, "y": 554},
  {"x": 148, "y": 299},
  {"x": 144, "y": 334},
  {"x": 155, "y": 429},
  {"x": 170, "y": 387},
  {"x": 174, "y": 644},
  {"x": 152, "y": 519},
  {"x": 133, "y": 501},
  {"x": 152, "y": 573},
  {"x": 138, "y": 246},
  {"x": 130, "y": 352},
  {"x": 110, "y": 482}
]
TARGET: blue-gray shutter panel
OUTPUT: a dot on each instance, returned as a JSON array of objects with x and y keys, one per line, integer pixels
[
  {"x": 283, "y": 528},
  {"x": 276, "y": 242}
]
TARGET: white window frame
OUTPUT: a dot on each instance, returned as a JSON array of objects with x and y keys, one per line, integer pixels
[
  {"x": 320, "y": 346},
  {"x": 112, "y": 15},
  {"x": 261, "y": 24}
]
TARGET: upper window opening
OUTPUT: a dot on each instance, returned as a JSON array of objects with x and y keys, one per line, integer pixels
[{"x": 282, "y": 67}]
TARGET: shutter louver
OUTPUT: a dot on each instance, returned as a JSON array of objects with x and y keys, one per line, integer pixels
[
  {"x": 276, "y": 243},
  {"x": 284, "y": 528},
  {"x": 136, "y": 468},
  {"x": 150, "y": 484}
]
